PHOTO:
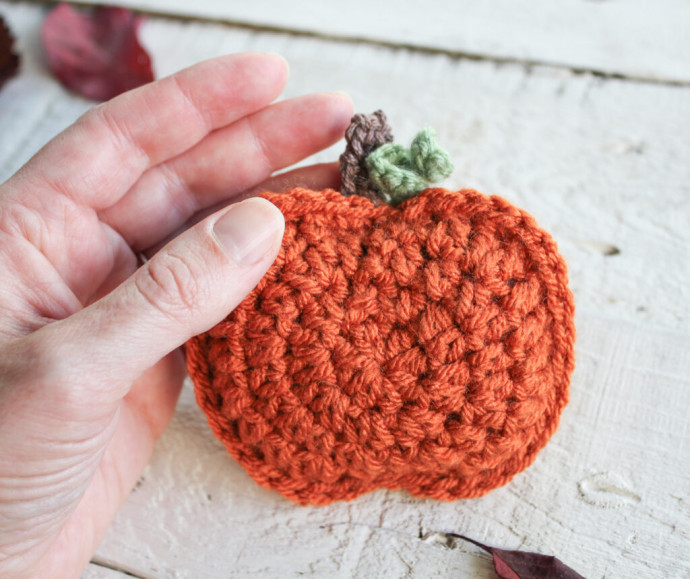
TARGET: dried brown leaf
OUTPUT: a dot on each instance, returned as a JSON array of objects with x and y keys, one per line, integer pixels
[
  {"x": 524, "y": 564},
  {"x": 9, "y": 59},
  {"x": 96, "y": 54}
]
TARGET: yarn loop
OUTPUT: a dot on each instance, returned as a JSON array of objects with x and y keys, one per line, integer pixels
[
  {"x": 399, "y": 173},
  {"x": 365, "y": 134}
]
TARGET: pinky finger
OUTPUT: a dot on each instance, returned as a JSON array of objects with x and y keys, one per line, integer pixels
[{"x": 314, "y": 177}]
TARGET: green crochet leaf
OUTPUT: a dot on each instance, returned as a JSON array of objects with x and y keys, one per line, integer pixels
[{"x": 399, "y": 173}]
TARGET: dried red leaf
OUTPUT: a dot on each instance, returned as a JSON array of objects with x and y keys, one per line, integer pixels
[
  {"x": 96, "y": 55},
  {"x": 523, "y": 564},
  {"x": 9, "y": 60}
]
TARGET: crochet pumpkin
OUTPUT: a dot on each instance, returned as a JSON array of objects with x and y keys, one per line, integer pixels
[{"x": 426, "y": 346}]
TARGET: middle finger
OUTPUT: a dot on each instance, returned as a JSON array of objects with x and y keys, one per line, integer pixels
[{"x": 226, "y": 163}]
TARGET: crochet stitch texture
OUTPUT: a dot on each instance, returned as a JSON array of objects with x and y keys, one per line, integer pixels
[{"x": 426, "y": 347}]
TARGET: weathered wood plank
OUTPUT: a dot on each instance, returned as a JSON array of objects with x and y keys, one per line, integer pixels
[
  {"x": 100, "y": 571},
  {"x": 633, "y": 38},
  {"x": 602, "y": 165}
]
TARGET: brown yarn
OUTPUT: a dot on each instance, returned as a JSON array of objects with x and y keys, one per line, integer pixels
[
  {"x": 365, "y": 133},
  {"x": 426, "y": 347}
]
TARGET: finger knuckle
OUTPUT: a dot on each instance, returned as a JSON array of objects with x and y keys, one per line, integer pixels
[
  {"x": 170, "y": 283},
  {"x": 118, "y": 131},
  {"x": 34, "y": 365}
]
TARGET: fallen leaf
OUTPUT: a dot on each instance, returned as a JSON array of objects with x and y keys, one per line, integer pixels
[
  {"x": 523, "y": 564},
  {"x": 96, "y": 55},
  {"x": 9, "y": 60}
]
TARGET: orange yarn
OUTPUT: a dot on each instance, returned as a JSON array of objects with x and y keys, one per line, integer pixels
[{"x": 426, "y": 347}]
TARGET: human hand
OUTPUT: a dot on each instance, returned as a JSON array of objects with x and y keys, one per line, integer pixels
[{"x": 90, "y": 366}]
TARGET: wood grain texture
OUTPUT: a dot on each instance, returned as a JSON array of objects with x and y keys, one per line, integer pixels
[
  {"x": 634, "y": 38},
  {"x": 99, "y": 571},
  {"x": 602, "y": 164}
]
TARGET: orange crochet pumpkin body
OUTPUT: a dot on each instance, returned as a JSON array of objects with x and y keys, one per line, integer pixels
[{"x": 426, "y": 347}]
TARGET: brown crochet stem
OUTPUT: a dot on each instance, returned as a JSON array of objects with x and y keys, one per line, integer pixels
[{"x": 365, "y": 133}]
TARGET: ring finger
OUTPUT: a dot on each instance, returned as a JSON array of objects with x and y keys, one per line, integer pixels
[{"x": 226, "y": 163}]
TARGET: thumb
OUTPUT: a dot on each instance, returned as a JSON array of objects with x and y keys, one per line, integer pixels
[{"x": 186, "y": 288}]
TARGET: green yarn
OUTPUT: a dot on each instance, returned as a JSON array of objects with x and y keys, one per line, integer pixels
[
  {"x": 392, "y": 173},
  {"x": 399, "y": 173}
]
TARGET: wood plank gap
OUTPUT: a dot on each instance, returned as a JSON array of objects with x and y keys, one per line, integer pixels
[
  {"x": 115, "y": 567},
  {"x": 455, "y": 54}
]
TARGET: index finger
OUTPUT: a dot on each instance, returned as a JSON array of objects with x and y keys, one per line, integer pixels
[{"x": 97, "y": 160}]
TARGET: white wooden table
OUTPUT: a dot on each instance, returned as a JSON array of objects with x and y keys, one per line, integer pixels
[{"x": 579, "y": 112}]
